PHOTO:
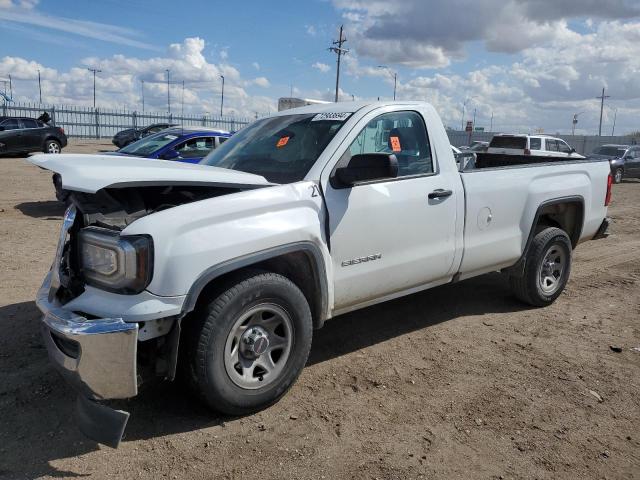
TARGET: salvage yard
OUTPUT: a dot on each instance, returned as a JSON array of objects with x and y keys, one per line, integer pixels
[{"x": 462, "y": 381}]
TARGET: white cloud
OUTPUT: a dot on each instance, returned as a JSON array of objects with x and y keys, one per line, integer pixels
[
  {"x": 21, "y": 12},
  {"x": 311, "y": 30},
  {"x": 322, "y": 67},
  {"x": 119, "y": 84},
  {"x": 256, "y": 65}
]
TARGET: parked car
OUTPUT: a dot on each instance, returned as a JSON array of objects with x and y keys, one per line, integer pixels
[
  {"x": 182, "y": 144},
  {"x": 20, "y": 135},
  {"x": 130, "y": 135},
  {"x": 624, "y": 160},
  {"x": 476, "y": 146},
  {"x": 534, "y": 145},
  {"x": 297, "y": 218}
]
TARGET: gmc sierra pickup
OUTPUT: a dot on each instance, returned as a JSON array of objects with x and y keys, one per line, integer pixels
[{"x": 225, "y": 268}]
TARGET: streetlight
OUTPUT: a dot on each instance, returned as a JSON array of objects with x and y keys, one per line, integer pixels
[
  {"x": 464, "y": 104},
  {"x": 94, "y": 70},
  {"x": 615, "y": 114},
  {"x": 395, "y": 78},
  {"x": 575, "y": 122},
  {"x": 168, "y": 95},
  {"x": 222, "y": 95}
]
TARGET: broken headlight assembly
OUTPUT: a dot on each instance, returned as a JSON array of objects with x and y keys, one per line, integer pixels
[{"x": 119, "y": 264}]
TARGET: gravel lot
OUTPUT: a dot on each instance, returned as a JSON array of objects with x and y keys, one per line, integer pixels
[{"x": 458, "y": 382}]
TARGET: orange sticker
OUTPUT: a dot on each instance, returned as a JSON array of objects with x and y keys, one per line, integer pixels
[
  {"x": 282, "y": 142},
  {"x": 395, "y": 144}
]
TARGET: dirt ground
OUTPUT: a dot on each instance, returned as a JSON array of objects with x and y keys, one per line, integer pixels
[{"x": 458, "y": 382}]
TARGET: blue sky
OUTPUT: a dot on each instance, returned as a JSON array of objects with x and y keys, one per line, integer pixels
[{"x": 530, "y": 63}]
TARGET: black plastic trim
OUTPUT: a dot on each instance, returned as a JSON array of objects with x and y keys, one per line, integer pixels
[{"x": 216, "y": 271}]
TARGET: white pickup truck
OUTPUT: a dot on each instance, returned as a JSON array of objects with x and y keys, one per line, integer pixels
[{"x": 226, "y": 268}]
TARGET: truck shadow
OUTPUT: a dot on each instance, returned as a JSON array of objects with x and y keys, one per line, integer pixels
[
  {"x": 38, "y": 408},
  {"x": 48, "y": 209}
]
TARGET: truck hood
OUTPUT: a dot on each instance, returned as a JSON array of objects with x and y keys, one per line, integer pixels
[{"x": 90, "y": 173}]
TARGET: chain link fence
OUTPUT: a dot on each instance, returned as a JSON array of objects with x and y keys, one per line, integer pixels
[{"x": 85, "y": 122}]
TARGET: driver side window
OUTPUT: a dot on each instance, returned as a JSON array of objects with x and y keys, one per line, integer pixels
[{"x": 402, "y": 134}]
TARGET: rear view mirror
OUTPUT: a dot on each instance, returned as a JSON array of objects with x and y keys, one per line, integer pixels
[{"x": 365, "y": 167}]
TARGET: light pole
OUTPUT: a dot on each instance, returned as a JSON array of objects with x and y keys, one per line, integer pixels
[
  {"x": 168, "y": 94},
  {"x": 395, "y": 78},
  {"x": 94, "y": 70},
  {"x": 601, "y": 98},
  {"x": 464, "y": 105},
  {"x": 222, "y": 95},
  {"x": 491, "y": 127},
  {"x": 142, "y": 83},
  {"x": 40, "y": 86},
  {"x": 575, "y": 122},
  {"x": 615, "y": 114}
]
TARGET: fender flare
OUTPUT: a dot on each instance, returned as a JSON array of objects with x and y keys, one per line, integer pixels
[
  {"x": 518, "y": 267},
  {"x": 309, "y": 248}
]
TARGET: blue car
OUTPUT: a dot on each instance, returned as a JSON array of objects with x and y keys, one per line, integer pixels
[{"x": 182, "y": 144}]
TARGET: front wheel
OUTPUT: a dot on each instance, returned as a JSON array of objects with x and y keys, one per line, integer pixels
[
  {"x": 250, "y": 343},
  {"x": 52, "y": 146},
  {"x": 547, "y": 268}
]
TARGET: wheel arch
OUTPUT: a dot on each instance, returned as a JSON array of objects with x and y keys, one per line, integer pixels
[
  {"x": 300, "y": 262},
  {"x": 566, "y": 213}
]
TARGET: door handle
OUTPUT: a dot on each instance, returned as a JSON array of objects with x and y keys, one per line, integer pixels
[{"x": 440, "y": 193}]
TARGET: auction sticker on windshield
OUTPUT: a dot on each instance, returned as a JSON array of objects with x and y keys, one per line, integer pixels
[{"x": 335, "y": 116}]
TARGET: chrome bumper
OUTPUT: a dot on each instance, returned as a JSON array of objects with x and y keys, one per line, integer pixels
[{"x": 97, "y": 357}]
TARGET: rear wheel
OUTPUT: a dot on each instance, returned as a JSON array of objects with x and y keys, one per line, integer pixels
[
  {"x": 547, "y": 268},
  {"x": 617, "y": 175},
  {"x": 52, "y": 146},
  {"x": 250, "y": 343}
]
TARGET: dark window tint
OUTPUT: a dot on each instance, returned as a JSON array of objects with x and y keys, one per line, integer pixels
[
  {"x": 535, "y": 143},
  {"x": 30, "y": 123},
  {"x": 11, "y": 124},
  {"x": 551, "y": 145},
  {"x": 221, "y": 140},
  {"x": 610, "y": 151},
  {"x": 563, "y": 147},
  {"x": 195, "y": 147},
  {"x": 402, "y": 134},
  {"x": 519, "y": 143}
]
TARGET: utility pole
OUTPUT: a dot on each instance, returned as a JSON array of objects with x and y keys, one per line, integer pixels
[
  {"x": 94, "y": 70},
  {"x": 168, "y": 90},
  {"x": 602, "y": 97},
  {"x": 39, "y": 86},
  {"x": 222, "y": 95},
  {"x": 474, "y": 118},
  {"x": 142, "y": 82},
  {"x": 10, "y": 87},
  {"x": 491, "y": 127},
  {"x": 395, "y": 78},
  {"x": 340, "y": 51}
]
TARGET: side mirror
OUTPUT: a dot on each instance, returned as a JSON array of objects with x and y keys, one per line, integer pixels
[
  {"x": 365, "y": 167},
  {"x": 170, "y": 155},
  {"x": 573, "y": 150}
]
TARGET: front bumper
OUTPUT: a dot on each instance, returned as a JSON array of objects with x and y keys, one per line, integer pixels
[{"x": 96, "y": 356}]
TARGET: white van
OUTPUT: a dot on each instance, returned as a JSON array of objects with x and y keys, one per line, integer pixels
[{"x": 535, "y": 145}]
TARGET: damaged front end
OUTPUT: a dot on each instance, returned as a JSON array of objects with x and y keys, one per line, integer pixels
[{"x": 104, "y": 332}]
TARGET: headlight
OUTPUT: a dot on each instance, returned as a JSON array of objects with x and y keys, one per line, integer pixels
[{"x": 121, "y": 264}]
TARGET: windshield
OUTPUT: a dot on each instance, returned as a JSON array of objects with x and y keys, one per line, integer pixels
[
  {"x": 610, "y": 151},
  {"x": 147, "y": 145},
  {"x": 281, "y": 149}
]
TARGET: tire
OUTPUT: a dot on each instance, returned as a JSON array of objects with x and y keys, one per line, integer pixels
[
  {"x": 547, "y": 268},
  {"x": 62, "y": 195},
  {"x": 52, "y": 146},
  {"x": 617, "y": 175},
  {"x": 249, "y": 381}
]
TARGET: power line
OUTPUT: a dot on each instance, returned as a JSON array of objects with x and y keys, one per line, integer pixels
[{"x": 340, "y": 51}]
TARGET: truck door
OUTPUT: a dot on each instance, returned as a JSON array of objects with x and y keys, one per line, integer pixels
[{"x": 391, "y": 235}]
